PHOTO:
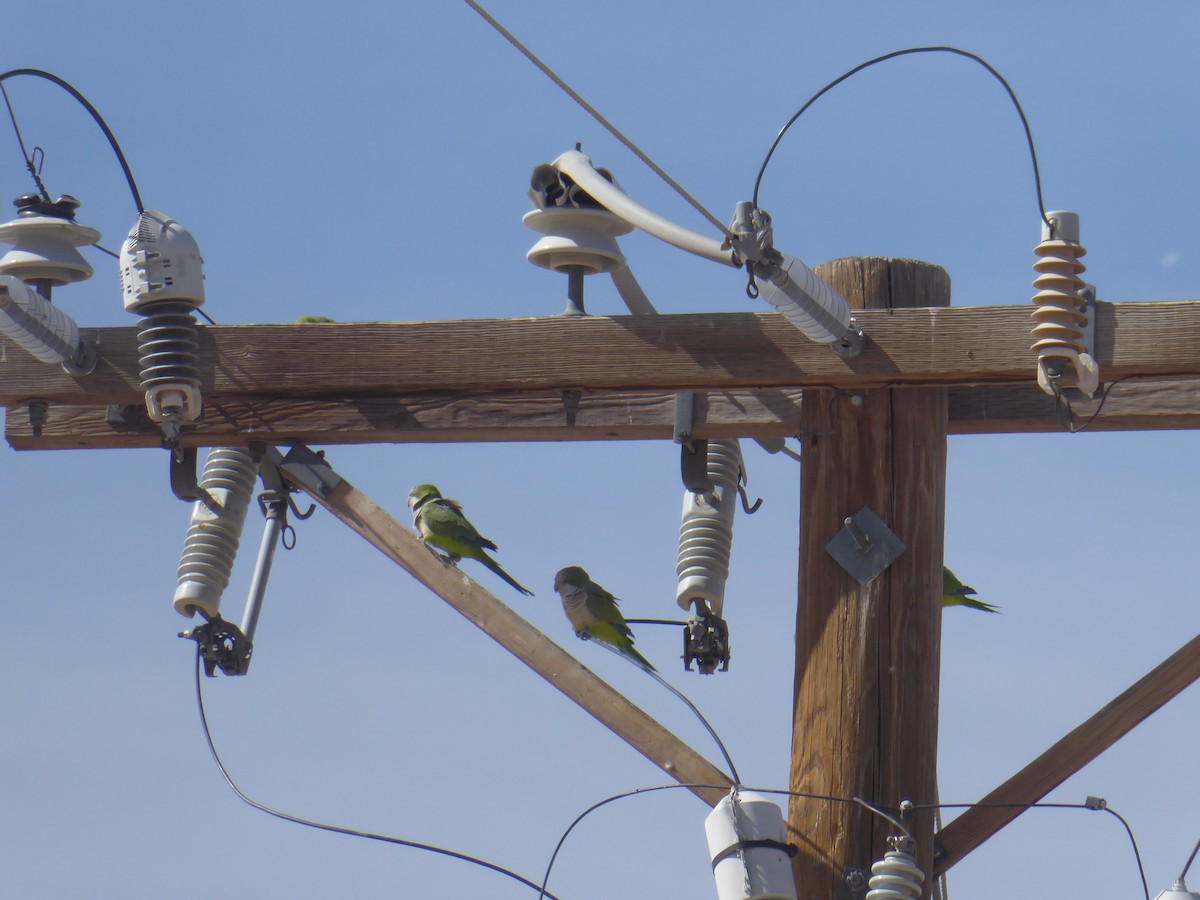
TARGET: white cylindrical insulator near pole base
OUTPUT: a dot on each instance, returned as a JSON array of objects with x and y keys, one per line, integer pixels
[
  {"x": 747, "y": 843},
  {"x": 212, "y": 539},
  {"x": 706, "y": 532}
]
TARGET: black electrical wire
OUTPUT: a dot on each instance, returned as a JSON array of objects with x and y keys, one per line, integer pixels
[
  {"x": 716, "y": 787},
  {"x": 1063, "y": 405},
  {"x": 1137, "y": 854},
  {"x": 34, "y": 171},
  {"x": 703, "y": 721},
  {"x": 1037, "y": 178},
  {"x": 112, "y": 141},
  {"x": 595, "y": 806},
  {"x": 654, "y": 622},
  {"x": 595, "y": 114},
  {"x": 1188, "y": 864},
  {"x": 690, "y": 705},
  {"x": 212, "y": 749}
]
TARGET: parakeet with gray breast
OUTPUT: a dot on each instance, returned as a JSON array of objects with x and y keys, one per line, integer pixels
[
  {"x": 594, "y": 614},
  {"x": 441, "y": 523}
]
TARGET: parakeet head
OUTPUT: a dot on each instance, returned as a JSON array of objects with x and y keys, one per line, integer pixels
[
  {"x": 571, "y": 576},
  {"x": 421, "y": 493}
]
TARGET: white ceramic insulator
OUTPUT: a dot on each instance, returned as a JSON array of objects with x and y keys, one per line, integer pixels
[
  {"x": 751, "y": 873},
  {"x": 576, "y": 237},
  {"x": 895, "y": 877},
  {"x": 706, "y": 531},
  {"x": 1061, "y": 311},
  {"x": 808, "y": 302},
  {"x": 45, "y": 249},
  {"x": 35, "y": 324},
  {"x": 212, "y": 539}
]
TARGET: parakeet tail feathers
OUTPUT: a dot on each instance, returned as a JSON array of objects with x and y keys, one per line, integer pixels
[{"x": 495, "y": 567}]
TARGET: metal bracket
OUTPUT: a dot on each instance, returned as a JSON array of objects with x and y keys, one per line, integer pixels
[
  {"x": 1088, "y": 295},
  {"x": 221, "y": 644},
  {"x": 685, "y": 413},
  {"x": 865, "y": 546},
  {"x": 181, "y": 473},
  {"x": 854, "y": 883},
  {"x": 309, "y": 468},
  {"x": 706, "y": 642},
  {"x": 125, "y": 414},
  {"x": 693, "y": 467},
  {"x": 570, "y": 401}
]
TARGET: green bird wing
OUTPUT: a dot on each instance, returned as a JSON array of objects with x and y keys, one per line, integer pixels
[
  {"x": 604, "y": 608},
  {"x": 951, "y": 585},
  {"x": 445, "y": 519},
  {"x": 955, "y": 593}
]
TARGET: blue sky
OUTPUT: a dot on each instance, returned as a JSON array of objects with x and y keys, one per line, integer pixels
[{"x": 369, "y": 161}]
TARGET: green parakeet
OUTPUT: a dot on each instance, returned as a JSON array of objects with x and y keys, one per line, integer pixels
[
  {"x": 441, "y": 523},
  {"x": 955, "y": 593},
  {"x": 314, "y": 320},
  {"x": 594, "y": 614}
]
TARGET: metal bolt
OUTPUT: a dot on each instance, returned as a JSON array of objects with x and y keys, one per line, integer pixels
[
  {"x": 37, "y": 416},
  {"x": 860, "y": 537}
]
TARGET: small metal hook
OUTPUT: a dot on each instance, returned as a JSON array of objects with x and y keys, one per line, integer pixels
[
  {"x": 296, "y": 510},
  {"x": 750, "y": 510},
  {"x": 751, "y": 284}
]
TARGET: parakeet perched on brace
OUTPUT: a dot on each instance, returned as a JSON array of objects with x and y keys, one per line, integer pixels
[
  {"x": 955, "y": 593},
  {"x": 314, "y": 320},
  {"x": 441, "y": 523},
  {"x": 594, "y": 613}
]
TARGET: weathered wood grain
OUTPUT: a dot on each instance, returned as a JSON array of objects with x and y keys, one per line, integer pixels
[
  {"x": 868, "y": 656},
  {"x": 439, "y": 417},
  {"x": 718, "y": 351}
]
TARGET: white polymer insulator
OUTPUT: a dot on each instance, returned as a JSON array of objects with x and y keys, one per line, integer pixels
[
  {"x": 167, "y": 348},
  {"x": 806, "y": 301},
  {"x": 160, "y": 260},
  {"x": 1061, "y": 311},
  {"x": 749, "y": 872},
  {"x": 579, "y": 169},
  {"x": 895, "y": 877},
  {"x": 706, "y": 531},
  {"x": 44, "y": 249},
  {"x": 576, "y": 237},
  {"x": 35, "y": 324},
  {"x": 212, "y": 539}
]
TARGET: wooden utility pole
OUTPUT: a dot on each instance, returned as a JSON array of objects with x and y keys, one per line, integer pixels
[{"x": 867, "y": 655}]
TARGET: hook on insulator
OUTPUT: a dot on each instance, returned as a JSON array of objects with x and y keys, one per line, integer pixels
[{"x": 1062, "y": 312}]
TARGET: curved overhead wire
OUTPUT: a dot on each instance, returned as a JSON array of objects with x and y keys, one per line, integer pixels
[{"x": 83, "y": 101}]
